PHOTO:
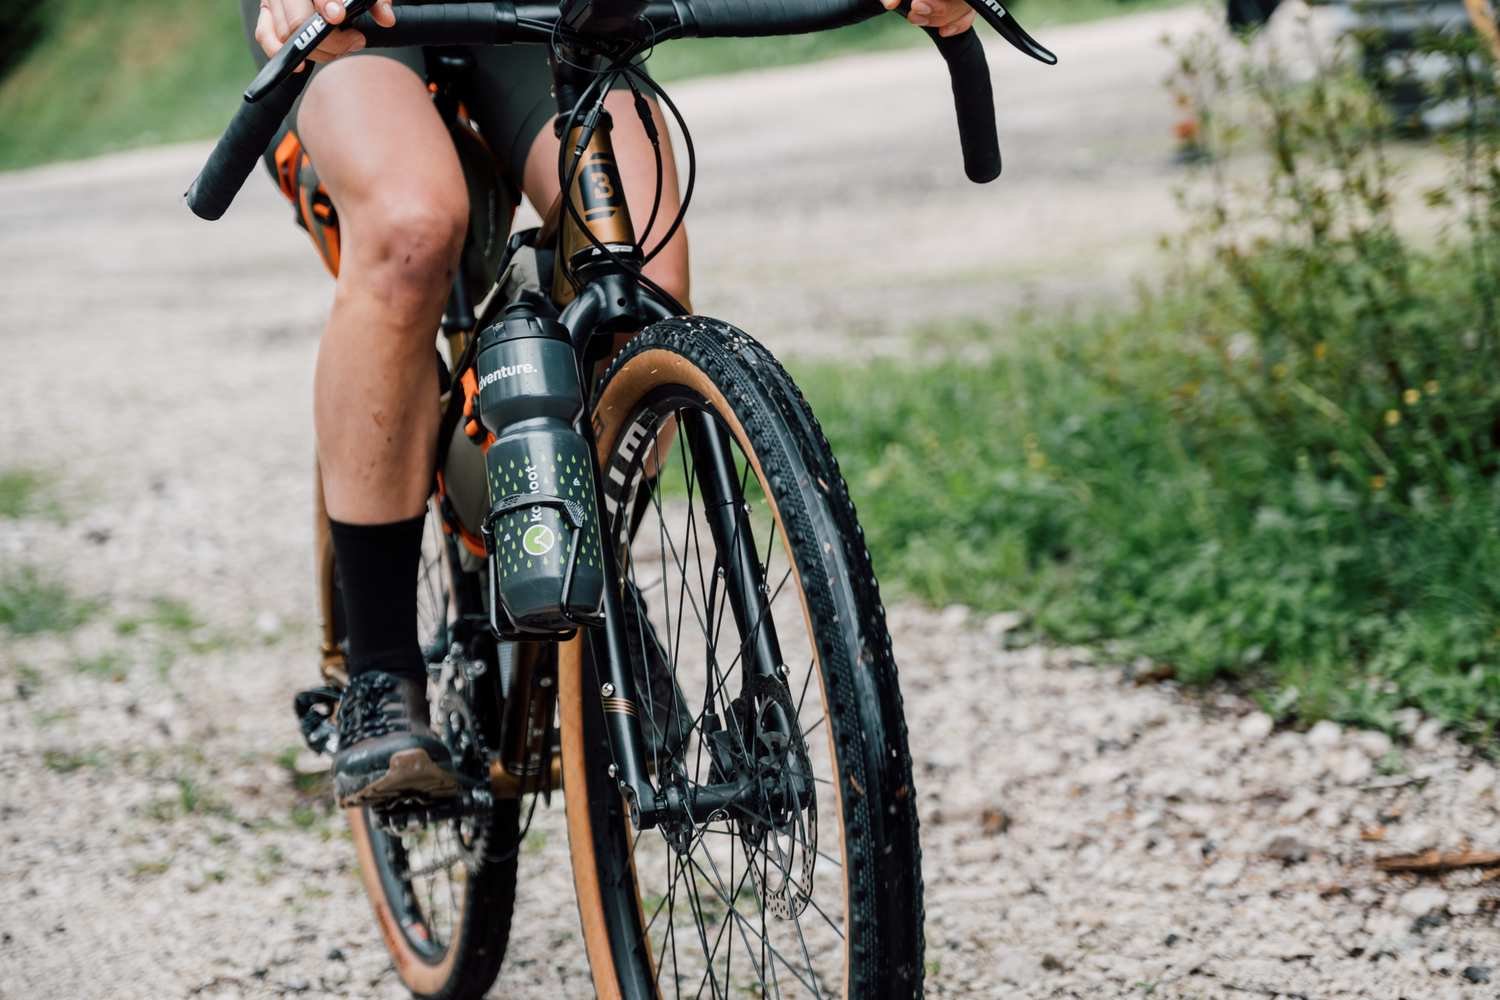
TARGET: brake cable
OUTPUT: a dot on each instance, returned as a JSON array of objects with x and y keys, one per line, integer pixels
[{"x": 567, "y": 169}]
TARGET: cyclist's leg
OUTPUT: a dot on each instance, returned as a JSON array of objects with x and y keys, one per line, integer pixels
[
  {"x": 634, "y": 157},
  {"x": 636, "y": 165},
  {"x": 515, "y": 109},
  {"x": 388, "y": 164}
]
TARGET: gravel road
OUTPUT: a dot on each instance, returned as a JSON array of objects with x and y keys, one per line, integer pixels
[{"x": 1084, "y": 835}]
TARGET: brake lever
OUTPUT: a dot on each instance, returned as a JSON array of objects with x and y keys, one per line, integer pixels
[
  {"x": 1008, "y": 28},
  {"x": 307, "y": 38}
]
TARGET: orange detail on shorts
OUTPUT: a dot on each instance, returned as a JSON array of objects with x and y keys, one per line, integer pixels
[
  {"x": 471, "y": 541},
  {"x": 331, "y": 257},
  {"x": 288, "y": 160}
]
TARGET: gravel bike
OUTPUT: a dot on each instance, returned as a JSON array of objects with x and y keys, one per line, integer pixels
[{"x": 727, "y": 731}]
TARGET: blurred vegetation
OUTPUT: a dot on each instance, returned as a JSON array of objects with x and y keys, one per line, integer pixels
[
  {"x": 82, "y": 77},
  {"x": 1282, "y": 467}
]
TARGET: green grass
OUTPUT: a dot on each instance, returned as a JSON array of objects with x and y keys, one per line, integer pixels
[
  {"x": 109, "y": 76},
  {"x": 116, "y": 75},
  {"x": 149, "y": 869},
  {"x": 21, "y": 492},
  {"x": 1082, "y": 476},
  {"x": 110, "y": 665},
  {"x": 31, "y": 602},
  {"x": 306, "y": 784},
  {"x": 166, "y": 613},
  {"x": 66, "y": 762}
]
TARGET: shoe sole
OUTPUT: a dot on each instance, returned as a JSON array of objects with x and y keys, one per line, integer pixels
[{"x": 409, "y": 774}]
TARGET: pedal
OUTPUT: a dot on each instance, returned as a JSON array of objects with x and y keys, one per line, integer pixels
[{"x": 315, "y": 710}]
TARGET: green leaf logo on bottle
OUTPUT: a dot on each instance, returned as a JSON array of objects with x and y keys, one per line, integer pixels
[{"x": 538, "y": 540}]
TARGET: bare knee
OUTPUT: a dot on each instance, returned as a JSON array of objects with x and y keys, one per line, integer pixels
[{"x": 403, "y": 248}]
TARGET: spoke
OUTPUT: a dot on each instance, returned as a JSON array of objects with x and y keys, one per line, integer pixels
[
  {"x": 656, "y": 913},
  {"x": 755, "y": 626},
  {"x": 806, "y": 955},
  {"x": 672, "y": 927},
  {"x": 775, "y": 953},
  {"x": 764, "y": 871},
  {"x": 708, "y": 607},
  {"x": 718, "y": 939},
  {"x": 647, "y": 695},
  {"x": 807, "y": 895},
  {"x": 811, "y": 666},
  {"x": 695, "y": 903},
  {"x": 749, "y": 868},
  {"x": 668, "y": 936},
  {"x": 694, "y": 534}
]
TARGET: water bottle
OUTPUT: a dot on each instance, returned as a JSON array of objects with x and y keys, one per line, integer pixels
[{"x": 543, "y": 525}]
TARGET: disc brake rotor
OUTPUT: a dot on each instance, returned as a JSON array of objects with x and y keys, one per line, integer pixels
[{"x": 780, "y": 832}]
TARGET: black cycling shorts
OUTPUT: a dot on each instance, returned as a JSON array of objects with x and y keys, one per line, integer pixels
[{"x": 509, "y": 95}]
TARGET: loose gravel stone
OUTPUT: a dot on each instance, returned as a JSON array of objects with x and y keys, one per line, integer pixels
[
  {"x": 1420, "y": 902},
  {"x": 1287, "y": 848},
  {"x": 1255, "y": 727},
  {"x": 1325, "y": 735}
]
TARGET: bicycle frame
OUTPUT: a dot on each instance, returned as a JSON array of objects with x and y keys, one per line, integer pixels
[{"x": 600, "y": 297}]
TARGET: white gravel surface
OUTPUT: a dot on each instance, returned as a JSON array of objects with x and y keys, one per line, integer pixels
[{"x": 1083, "y": 836}]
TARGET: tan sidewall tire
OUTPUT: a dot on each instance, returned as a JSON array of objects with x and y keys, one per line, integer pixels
[
  {"x": 419, "y": 975},
  {"x": 624, "y": 391}
]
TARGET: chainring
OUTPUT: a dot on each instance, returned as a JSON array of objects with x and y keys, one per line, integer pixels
[
  {"x": 453, "y": 722},
  {"x": 461, "y": 735}
]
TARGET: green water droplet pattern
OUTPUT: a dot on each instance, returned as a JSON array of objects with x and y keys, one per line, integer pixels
[{"x": 566, "y": 473}]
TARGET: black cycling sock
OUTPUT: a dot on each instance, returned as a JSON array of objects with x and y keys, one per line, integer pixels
[{"x": 377, "y": 570}]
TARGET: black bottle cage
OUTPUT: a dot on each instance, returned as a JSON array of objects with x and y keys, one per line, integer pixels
[{"x": 501, "y": 620}]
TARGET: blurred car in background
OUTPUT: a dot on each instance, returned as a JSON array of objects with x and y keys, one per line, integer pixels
[{"x": 1406, "y": 50}]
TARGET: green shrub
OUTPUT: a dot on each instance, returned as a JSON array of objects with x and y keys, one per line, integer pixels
[{"x": 1282, "y": 468}]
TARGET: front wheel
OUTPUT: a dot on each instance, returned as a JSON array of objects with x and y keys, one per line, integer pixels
[{"x": 816, "y": 889}]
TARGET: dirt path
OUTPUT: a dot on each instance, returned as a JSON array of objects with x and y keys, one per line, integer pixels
[{"x": 1083, "y": 836}]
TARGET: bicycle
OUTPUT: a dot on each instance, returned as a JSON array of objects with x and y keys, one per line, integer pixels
[{"x": 731, "y": 825}]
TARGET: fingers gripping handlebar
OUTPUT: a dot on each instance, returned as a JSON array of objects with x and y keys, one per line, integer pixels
[
  {"x": 275, "y": 89},
  {"x": 973, "y": 97}
]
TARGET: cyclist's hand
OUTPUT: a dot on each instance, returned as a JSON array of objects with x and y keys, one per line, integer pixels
[
  {"x": 280, "y": 18},
  {"x": 950, "y": 17}
]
